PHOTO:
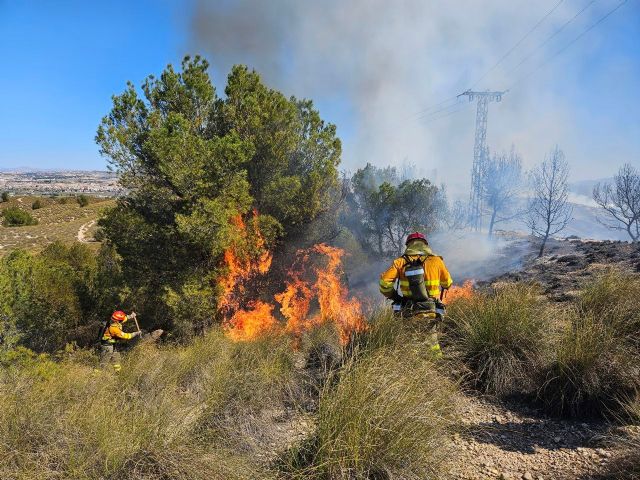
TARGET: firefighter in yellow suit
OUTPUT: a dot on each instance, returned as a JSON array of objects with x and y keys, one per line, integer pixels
[
  {"x": 112, "y": 334},
  {"x": 421, "y": 277}
]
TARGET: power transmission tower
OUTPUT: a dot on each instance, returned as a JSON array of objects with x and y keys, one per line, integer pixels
[{"x": 480, "y": 151}]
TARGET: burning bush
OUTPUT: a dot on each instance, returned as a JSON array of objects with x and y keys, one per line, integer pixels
[
  {"x": 388, "y": 416},
  {"x": 195, "y": 169},
  {"x": 500, "y": 337},
  {"x": 323, "y": 289}
]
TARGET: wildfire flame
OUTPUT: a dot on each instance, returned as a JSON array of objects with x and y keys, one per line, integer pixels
[
  {"x": 251, "y": 324},
  {"x": 333, "y": 296},
  {"x": 297, "y": 299},
  {"x": 465, "y": 291},
  {"x": 242, "y": 268}
]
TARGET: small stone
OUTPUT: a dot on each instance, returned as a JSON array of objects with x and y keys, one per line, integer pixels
[
  {"x": 527, "y": 476},
  {"x": 504, "y": 476}
]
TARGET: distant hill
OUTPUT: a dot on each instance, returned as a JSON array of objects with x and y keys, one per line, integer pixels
[{"x": 584, "y": 223}]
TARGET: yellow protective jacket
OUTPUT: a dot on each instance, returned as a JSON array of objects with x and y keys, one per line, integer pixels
[
  {"x": 115, "y": 333},
  {"x": 436, "y": 274}
]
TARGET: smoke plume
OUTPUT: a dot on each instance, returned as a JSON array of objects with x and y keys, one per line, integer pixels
[{"x": 377, "y": 64}]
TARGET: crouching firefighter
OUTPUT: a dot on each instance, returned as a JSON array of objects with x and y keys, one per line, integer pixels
[
  {"x": 422, "y": 277},
  {"x": 111, "y": 335}
]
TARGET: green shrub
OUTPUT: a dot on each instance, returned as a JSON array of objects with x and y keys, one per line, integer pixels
[
  {"x": 82, "y": 200},
  {"x": 16, "y": 217},
  {"x": 63, "y": 200},
  {"x": 387, "y": 414},
  {"x": 59, "y": 295},
  {"x": 499, "y": 337},
  {"x": 5, "y": 196},
  {"x": 36, "y": 205}
]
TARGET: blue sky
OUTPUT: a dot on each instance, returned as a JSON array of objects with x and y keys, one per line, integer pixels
[
  {"x": 62, "y": 62},
  {"x": 368, "y": 67}
]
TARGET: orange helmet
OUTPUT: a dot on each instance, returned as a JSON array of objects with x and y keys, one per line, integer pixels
[
  {"x": 119, "y": 316},
  {"x": 416, "y": 236}
]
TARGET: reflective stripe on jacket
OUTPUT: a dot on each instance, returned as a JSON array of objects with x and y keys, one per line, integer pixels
[{"x": 436, "y": 275}]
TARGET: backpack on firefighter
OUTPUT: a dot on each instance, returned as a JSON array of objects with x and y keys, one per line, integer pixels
[{"x": 420, "y": 304}]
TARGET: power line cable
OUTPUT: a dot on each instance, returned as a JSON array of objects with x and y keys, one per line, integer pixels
[
  {"x": 563, "y": 49},
  {"x": 435, "y": 112},
  {"x": 434, "y": 119},
  {"x": 425, "y": 110},
  {"x": 518, "y": 43},
  {"x": 425, "y": 113},
  {"x": 530, "y": 54}
]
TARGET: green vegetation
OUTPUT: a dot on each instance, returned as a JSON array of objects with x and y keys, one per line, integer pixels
[
  {"x": 580, "y": 360},
  {"x": 57, "y": 296},
  {"x": 500, "y": 337},
  {"x": 16, "y": 217},
  {"x": 188, "y": 413},
  {"x": 383, "y": 208},
  {"x": 5, "y": 196},
  {"x": 82, "y": 200},
  {"x": 56, "y": 222},
  {"x": 36, "y": 204},
  {"x": 380, "y": 420},
  {"x": 206, "y": 410},
  {"x": 194, "y": 162},
  {"x": 598, "y": 355}
]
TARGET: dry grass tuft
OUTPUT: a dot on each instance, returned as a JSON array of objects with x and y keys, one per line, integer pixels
[
  {"x": 386, "y": 414},
  {"x": 178, "y": 412},
  {"x": 501, "y": 338}
]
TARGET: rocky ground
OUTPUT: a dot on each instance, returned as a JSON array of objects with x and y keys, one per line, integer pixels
[
  {"x": 566, "y": 264},
  {"x": 510, "y": 441}
]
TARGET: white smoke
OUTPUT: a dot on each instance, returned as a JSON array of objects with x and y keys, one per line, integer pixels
[{"x": 379, "y": 63}]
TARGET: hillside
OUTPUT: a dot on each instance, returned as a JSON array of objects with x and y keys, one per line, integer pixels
[{"x": 58, "y": 219}]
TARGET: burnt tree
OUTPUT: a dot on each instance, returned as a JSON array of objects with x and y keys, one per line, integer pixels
[
  {"x": 549, "y": 208},
  {"x": 621, "y": 201}
]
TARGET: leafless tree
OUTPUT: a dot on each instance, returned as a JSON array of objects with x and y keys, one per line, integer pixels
[
  {"x": 621, "y": 201},
  {"x": 549, "y": 209},
  {"x": 501, "y": 185}
]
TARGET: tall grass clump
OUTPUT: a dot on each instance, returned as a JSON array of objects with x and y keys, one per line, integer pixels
[
  {"x": 387, "y": 415},
  {"x": 173, "y": 412},
  {"x": 500, "y": 337},
  {"x": 596, "y": 362},
  {"x": 613, "y": 298},
  {"x": 591, "y": 369}
]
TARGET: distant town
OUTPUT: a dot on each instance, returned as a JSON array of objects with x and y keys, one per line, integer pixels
[{"x": 60, "y": 182}]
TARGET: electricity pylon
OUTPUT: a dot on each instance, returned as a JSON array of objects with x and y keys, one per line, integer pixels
[{"x": 480, "y": 152}]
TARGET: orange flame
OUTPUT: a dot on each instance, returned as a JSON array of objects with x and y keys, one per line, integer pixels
[
  {"x": 333, "y": 302},
  {"x": 241, "y": 267},
  {"x": 465, "y": 291},
  {"x": 251, "y": 324},
  {"x": 333, "y": 296}
]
